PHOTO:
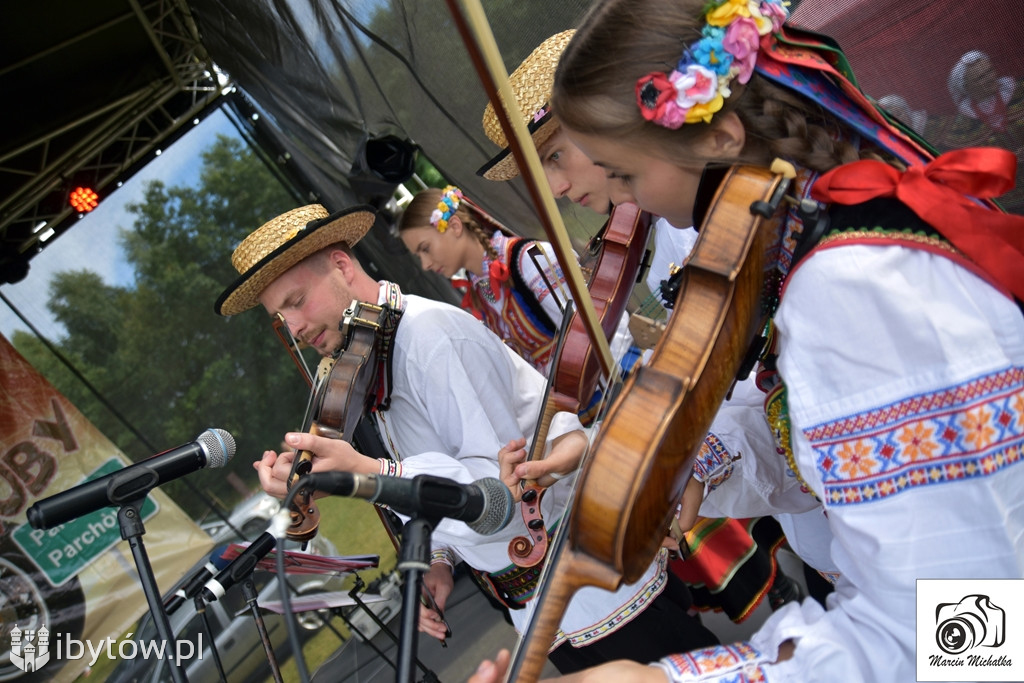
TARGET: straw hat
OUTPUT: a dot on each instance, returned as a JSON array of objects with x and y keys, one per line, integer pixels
[
  {"x": 284, "y": 241},
  {"x": 531, "y": 84}
]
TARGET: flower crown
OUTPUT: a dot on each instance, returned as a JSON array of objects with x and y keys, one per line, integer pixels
[
  {"x": 451, "y": 197},
  {"x": 698, "y": 86}
]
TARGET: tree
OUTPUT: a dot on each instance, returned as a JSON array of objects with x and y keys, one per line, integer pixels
[{"x": 164, "y": 363}]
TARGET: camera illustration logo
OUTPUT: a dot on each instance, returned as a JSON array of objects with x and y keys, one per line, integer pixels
[
  {"x": 972, "y": 622},
  {"x": 30, "y": 650}
]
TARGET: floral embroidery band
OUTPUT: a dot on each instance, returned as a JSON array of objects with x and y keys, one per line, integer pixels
[
  {"x": 714, "y": 463},
  {"x": 961, "y": 432},
  {"x": 742, "y": 658}
]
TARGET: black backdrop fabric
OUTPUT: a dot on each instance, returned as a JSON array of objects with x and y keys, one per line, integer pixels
[{"x": 331, "y": 72}]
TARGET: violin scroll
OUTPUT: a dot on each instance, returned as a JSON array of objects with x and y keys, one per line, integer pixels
[{"x": 528, "y": 552}]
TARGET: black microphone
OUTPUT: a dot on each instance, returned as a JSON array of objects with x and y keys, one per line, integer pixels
[
  {"x": 191, "y": 588},
  {"x": 240, "y": 568},
  {"x": 485, "y": 505},
  {"x": 212, "y": 448}
]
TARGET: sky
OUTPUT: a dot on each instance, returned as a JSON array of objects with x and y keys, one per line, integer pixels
[{"x": 92, "y": 243}]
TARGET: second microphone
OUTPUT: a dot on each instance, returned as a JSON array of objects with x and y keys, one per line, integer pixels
[{"x": 485, "y": 506}]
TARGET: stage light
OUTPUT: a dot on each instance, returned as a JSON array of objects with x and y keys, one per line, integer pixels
[{"x": 84, "y": 199}]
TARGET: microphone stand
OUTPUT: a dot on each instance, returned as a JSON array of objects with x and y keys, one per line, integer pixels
[
  {"x": 128, "y": 490},
  {"x": 249, "y": 591},
  {"x": 428, "y": 675},
  {"x": 413, "y": 561},
  {"x": 200, "y": 604}
]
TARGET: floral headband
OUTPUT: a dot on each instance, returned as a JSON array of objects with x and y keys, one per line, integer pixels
[
  {"x": 698, "y": 86},
  {"x": 451, "y": 197}
]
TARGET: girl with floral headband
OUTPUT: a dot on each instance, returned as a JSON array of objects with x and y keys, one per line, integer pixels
[
  {"x": 515, "y": 284},
  {"x": 893, "y": 357}
]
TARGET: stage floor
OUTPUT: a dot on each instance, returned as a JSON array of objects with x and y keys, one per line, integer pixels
[{"x": 478, "y": 631}]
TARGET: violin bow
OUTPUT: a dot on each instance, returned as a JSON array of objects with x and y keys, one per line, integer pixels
[
  {"x": 292, "y": 344},
  {"x": 478, "y": 38}
]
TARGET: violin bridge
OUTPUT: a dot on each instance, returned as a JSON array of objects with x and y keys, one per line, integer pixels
[
  {"x": 323, "y": 369},
  {"x": 646, "y": 331}
]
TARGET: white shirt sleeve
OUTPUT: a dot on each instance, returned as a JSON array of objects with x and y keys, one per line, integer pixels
[
  {"x": 459, "y": 396},
  {"x": 671, "y": 246}
]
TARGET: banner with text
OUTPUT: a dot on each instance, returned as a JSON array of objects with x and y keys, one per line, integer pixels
[{"x": 78, "y": 580}]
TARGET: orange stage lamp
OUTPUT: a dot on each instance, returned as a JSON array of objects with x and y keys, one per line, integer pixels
[{"x": 84, "y": 199}]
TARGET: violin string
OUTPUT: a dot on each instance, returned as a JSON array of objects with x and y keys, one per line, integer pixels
[
  {"x": 307, "y": 416},
  {"x": 652, "y": 307}
]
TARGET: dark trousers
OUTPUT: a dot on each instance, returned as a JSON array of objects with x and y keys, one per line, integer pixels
[{"x": 662, "y": 629}]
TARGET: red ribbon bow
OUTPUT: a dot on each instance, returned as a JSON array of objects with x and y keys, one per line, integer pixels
[
  {"x": 940, "y": 192},
  {"x": 498, "y": 273}
]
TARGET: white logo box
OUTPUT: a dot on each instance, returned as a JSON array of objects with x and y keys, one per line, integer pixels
[{"x": 970, "y": 630}]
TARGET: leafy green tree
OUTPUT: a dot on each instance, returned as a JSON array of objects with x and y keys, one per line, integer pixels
[{"x": 153, "y": 365}]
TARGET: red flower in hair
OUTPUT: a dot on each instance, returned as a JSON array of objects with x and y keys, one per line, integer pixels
[{"x": 653, "y": 92}]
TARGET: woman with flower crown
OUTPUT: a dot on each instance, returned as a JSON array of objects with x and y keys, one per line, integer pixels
[
  {"x": 893, "y": 355},
  {"x": 515, "y": 284}
]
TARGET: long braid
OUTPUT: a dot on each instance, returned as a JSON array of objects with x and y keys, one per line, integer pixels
[
  {"x": 473, "y": 224},
  {"x": 785, "y": 126}
]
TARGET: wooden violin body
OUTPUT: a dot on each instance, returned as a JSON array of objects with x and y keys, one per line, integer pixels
[
  {"x": 341, "y": 397},
  {"x": 634, "y": 477},
  {"x": 619, "y": 256}
]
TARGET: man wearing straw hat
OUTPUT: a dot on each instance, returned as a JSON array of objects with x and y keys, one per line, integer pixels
[
  {"x": 569, "y": 172},
  {"x": 458, "y": 396}
]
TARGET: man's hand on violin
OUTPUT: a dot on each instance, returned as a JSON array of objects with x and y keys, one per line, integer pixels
[
  {"x": 273, "y": 470},
  {"x": 328, "y": 455}
]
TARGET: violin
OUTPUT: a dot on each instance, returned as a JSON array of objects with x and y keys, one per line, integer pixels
[
  {"x": 632, "y": 480},
  {"x": 616, "y": 258},
  {"x": 529, "y": 551},
  {"x": 341, "y": 397}
]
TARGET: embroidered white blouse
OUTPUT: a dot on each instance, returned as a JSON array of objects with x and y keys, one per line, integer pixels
[{"x": 905, "y": 385}]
